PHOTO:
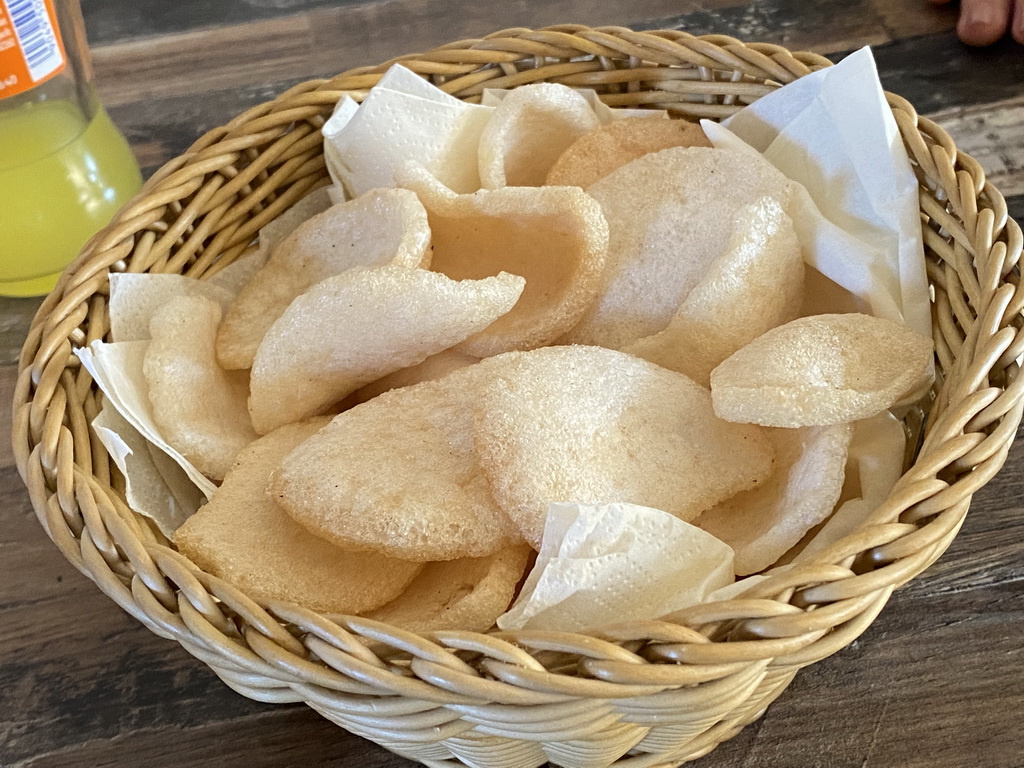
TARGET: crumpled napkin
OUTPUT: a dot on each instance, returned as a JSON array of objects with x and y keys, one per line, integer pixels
[
  {"x": 602, "y": 564},
  {"x": 857, "y": 215}
]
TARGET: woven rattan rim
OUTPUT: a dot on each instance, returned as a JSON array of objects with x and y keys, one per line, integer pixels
[{"x": 663, "y": 692}]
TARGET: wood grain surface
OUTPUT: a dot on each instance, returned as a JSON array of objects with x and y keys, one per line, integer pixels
[{"x": 938, "y": 680}]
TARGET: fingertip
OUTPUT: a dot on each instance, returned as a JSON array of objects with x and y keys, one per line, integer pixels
[
  {"x": 979, "y": 33},
  {"x": 983, "y": 22}
]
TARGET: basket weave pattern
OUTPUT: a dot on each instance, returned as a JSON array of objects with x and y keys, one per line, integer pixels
[{"x": 643, "y": 694}]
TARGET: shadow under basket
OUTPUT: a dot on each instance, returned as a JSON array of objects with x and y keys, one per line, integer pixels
[{"x": 646, "y": 694}]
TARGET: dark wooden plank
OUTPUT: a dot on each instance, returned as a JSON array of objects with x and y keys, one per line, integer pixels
[
  {"x": 113, "y": 21},
  {"x": 329, "y": 40},
  {"x": 913, "y": 18},
  {"x": 149, "y": 87},
  {"x": 76, "y": 669},
  {"x": 8, "y": 377},
  {"x": 90, "y": 674},
  {"x": 993, "y": 134},
  {"x": 31, "y": 572},
  {"x": 15, "y": 317},
  {"x": 218, "y": 58},
  {"x": 277, "y": 737},
  {"x": 934, "y": 682},
  {"x": 824, "y": 27},
  {"x": 938, "y": 72}
]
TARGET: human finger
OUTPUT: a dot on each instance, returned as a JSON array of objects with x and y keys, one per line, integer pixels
[
  {"x": 1018, "y": 21},
  {"x": 982, "y": 22}
]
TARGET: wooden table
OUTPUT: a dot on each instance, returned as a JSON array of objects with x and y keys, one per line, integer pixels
[{"x": 938, "y": 680}]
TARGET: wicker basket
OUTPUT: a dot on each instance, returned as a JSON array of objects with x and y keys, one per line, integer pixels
[{"x": 645, "y": 694}]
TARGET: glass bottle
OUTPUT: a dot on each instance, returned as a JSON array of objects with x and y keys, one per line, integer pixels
[{"x": 65, "y": 169}]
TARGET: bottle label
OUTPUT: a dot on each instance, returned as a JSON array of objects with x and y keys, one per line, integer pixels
[{"x": 31, "y": 50}]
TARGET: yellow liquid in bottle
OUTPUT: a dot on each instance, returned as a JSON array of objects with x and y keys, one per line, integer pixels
[{"x": 62, "y": 178}]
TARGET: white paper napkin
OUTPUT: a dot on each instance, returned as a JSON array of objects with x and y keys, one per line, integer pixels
[
  {"x": 833, "y": 133},
  {"x": 602, "y": 564}
]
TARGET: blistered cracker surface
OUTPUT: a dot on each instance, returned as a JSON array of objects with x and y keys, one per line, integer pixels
[
  {"x": 763, "y": 524},
  {"x": 669, "y": 217},
  {"x": 434, "y": 367},
  {"x": 530, "y": 128},
  {"x": 383, "y": 226},
  {"x": 596, "y": 154},
  {"x": 590, "y": 425},
  {"x": 277, "y": 229},
  {"x": 135, "y": 296},
  {"x": 555, "y": 237},
  {"x": 467, "y": 594},
  {"x": 818, "y": 370},
  {"x": 244, "y": 537},
  {"x": 353, "y": 328},
  {"x": 755, "y": 285},
  {"x": 400, "y": 475},
  {"x": 199, "y": 407}
]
